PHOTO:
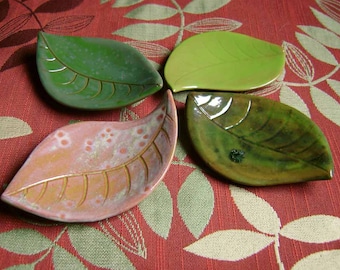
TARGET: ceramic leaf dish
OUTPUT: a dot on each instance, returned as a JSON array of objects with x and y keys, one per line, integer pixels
[
  {"x": 256, "y": 141},
  {"x": 92, "y": 170},
  {"x": 94, "y": 73}
]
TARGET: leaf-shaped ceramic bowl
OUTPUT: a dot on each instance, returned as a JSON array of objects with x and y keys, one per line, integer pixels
[
  {"x": 223, "y": 61},
  {"x": 256, "y": 141},
  {"x": 92, "y": 170},
  {"x": 94, "y": 73}
]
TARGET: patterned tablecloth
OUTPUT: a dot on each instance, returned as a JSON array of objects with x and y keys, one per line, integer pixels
[{"x": 193, "y": 220}]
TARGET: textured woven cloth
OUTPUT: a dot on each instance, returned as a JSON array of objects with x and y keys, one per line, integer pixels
[{"x": 193, "y": 220}]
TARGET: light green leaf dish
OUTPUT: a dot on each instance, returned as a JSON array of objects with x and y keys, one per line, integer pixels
[
  {"x": 256, "y": 141},
  {"x": 223, "y": 61},
  {"x": 94, "y": 73}
]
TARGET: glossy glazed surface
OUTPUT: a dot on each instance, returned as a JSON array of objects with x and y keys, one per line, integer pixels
[
  {"x": 93, "y": 170},
  {"x": 223, "y": 61},
  {"x": 94, "y": 73},
  {"x": 256, "y": 141}
]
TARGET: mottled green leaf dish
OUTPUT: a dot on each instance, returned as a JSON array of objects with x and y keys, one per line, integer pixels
[
  {"x": 223, "y": 61},
  {"x": 94, "y": 73},
  {"x": 256, "y": 141}
]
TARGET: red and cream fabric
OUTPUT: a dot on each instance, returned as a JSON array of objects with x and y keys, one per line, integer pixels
[{"x": 193, "y": 220}]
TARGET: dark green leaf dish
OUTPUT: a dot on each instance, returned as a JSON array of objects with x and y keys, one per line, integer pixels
[
  {"x": 256, "y": 141},
  {"x": 94, "y": 73}
]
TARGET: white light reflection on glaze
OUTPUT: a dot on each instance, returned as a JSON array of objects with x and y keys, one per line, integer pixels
[{"x": 241, "y": 120}]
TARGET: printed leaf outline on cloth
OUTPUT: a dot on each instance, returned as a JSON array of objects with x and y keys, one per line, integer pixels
[
  {"x": 195, "y": 202},
  {"x": 291, "y": 98},
  {"x": 230, "y": 245},
  {"x": 316, "y": 49},
  {"x": 327, "y": 21},
  {"x": 157, "y": 210},
  {"x": 9, "y": 240},
  {"x": 213, "y": 24},
  {"x": 324, "y": 36},
  {"x": 335, "y": 85},
  {"x": 298, "y": 62},
  {"x": 94, "y": 73},
  {"x": 150, "y": 12},
  {"x": 223, "y": 61},
  {"x": 68, "y": 24},
  {"x": 62, "y": 259},
  {"x": 147, "y": 31},
  {"x": 149, "y": 49},
  {"x": 125, "y": 3},
  {"x": 19, "y": 38},
  {"x": 103, "y": 252},
  {"x": 127, "y": 222},
  {"x": 14, "y": 25},
  {"x": 326, "y": 104},
  {"x": 54, "y": 6},
  {"x": 256, "y": 141},
  {"x": 12, "y": 127},
  {"x": 331, "y": 7},
  {"x": 30, "y": 266},
  {"x": 4, "y": 7},
  {"x": 91, "y": 164},
  {"x": 256, "y": 211},
  {"x": 203, "y": 6},
  {"x": 326, "y": 259},
  {"x": 19, "y": 57},
  {"x": 313, "y": 229}
]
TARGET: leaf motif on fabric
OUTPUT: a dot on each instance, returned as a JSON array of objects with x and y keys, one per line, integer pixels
[
  {"x": 230, "y": 245},
  {"x": 134, "y": 241},
  {"x": 151, "y": 12},
  {"x": 4, "y": 7},
  {"x": 326, "y": 259},
  {"x": 313, "y": 229},
  {"x": 12, "y": 127},
  {"x": 96, "y": 248},
  {"x": 125, "y": 3},
  {"x": 291, "y": 98},
  {"x": 25, "y": 237},
  {"x": 324, "y": 36},
  {"x": 147, "y": 31},
  {"x": 256, "y": 211},
  {"x": 298, "y": 62},
  {"x": 195, "y": 202},
  {"x": 62, "y": 259},
  {"x": 335, "y": 85},
  {"x": 326, "y": 104},
  {"x": 157, "y": 210},
  {"x": 327, "y": 21},
  {"x": 316, "y": 49},
  {"x": 31, "y": 266},
  {"x": 149, "y": 49},
  {"x": 331, "y": 7},
  {"x": 213, "y": 24},
  {"x": 203, "y": 6},
  {"x": 54, "y": 6},
  {"x": 19, "y": 38},
  {"x": 14, "y": 25},
  {"x": 68, "y": 24},
  {"x": 22, "y": 55}
]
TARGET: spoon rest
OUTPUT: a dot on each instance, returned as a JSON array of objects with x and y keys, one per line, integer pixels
[
  {"x": 256, "y": 141},
  {"x": 94, "y": 73},
  {"x": 89, "y": 171},
  {"x": 223, "y": 61}
]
